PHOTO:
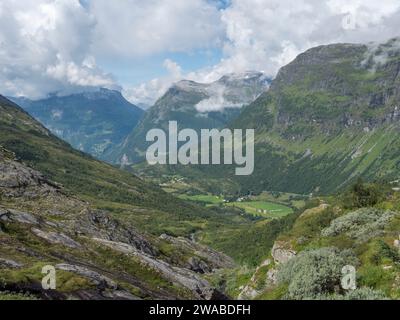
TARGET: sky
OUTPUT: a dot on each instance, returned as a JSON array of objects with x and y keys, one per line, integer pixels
[{"x": 143, "y": 47}]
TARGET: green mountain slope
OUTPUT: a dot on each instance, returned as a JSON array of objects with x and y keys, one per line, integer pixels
[
  {"x": 329, "y": 117},
  {"x": 105, "y": 186},
  {"x": 78, "y": 172},
  {"x": 91, "y": 122}
]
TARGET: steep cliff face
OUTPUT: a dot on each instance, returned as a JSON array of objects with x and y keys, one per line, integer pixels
[
  {"x": 330, "y": 117},
  {"x": 334, "y": 87}
]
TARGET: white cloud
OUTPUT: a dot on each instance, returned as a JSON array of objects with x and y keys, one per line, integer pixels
[
  {"x": 45, "y": 47},
  {"x": 267, "y": 34},
  {"x": 146, "y": 94},
  {"x": 137, "y": 28},
  {"x": 217, "y": 100},
  {"x": 173, "y": 68},
  {"x": 264, "y": 35},
  {"x": 73, "y": 74},
  {"x": 52, "y": 45}
]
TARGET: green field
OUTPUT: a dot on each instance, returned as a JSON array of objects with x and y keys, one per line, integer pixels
[
  {"x": 263, "y": 208},
  {"x": 288, "y": 199},
  {"x": 266, "y": 209}
]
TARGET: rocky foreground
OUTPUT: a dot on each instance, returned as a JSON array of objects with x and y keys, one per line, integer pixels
[{"x": 95, "y": 256}]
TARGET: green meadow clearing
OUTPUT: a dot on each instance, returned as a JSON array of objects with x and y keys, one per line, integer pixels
[
  {"x": 263, "y": 208},
  {"x": 266, "y": 209}
]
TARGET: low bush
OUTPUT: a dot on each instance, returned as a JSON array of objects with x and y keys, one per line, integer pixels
[
  {"x": 363, "y": 195},
  {"x": 315, "y": 273},
  {"x": 365, "y": 294},
  {"x": 360, "y": 225}
]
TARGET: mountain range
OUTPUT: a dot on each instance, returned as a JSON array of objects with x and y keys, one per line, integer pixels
[
  {"x": 193, "y": 105},
  {"x": 326, "y": 147},
  {"x": 92, "y": 122},
  {"x": 329, "y": 118}
]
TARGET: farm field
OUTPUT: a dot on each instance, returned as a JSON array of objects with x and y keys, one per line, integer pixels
[
  {"x": 265, "y": 209},
  {"x": 289, "y": 199}
]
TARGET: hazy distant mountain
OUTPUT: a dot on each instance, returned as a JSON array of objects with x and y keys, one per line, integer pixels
[
  {"x": 91, "y": 122},
  {"x": 196, "y": 106}
]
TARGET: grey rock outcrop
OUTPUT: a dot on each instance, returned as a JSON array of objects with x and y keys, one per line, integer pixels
[
  {"x": 199, "y": 266},
  {"x": 204, "y": 255},
  {"x": 18, "y": 180},
  {"x": 282, "y": 252},
  {"x": 98, "y": 279},
  {"x": 56, "y": 238},
  {"x": 18, "y": 216},
  {"x": 9, "y": 264},
  {"x": 99, "y": 224},
  {"x": 181, "y": 276},
  {"x": 32, "y": 205}
]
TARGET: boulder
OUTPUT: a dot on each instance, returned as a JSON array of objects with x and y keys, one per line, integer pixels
[
  {"x": 248, "y": 293},
  {"x": 197, "y": 265},
  {"x": 23, "y": 217},
  {"x": 396, "y": 243},
  {"x": 282, "y": 252},
  {"x": 272, "y": 276},
  {"x": 9, "y": 215}
]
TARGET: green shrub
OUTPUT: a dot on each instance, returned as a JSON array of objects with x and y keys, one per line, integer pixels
[
  {"x": 358, "y": 294},
  {"x": 360, "y": 225},
  {"x": 314, "y": 273},
  {"x": 365, "y": 294},
  {"x": 376, "y": 277},
  {"x": 363, "y": 195},
  {"x": 379, "y": 252}
]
